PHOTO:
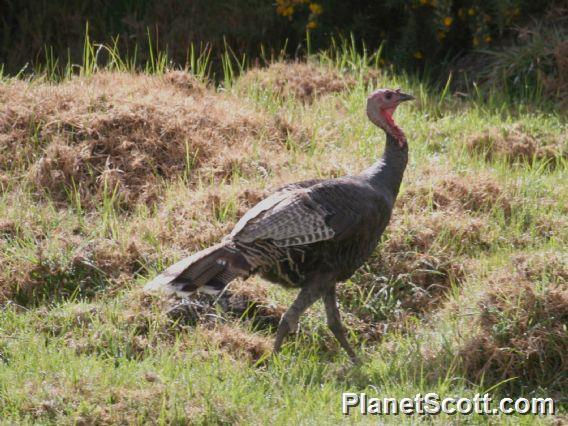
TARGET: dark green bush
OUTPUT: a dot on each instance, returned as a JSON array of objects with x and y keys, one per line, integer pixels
[
  {"x": 28, "y": 26},
  {"x": 417, "y": 34}
]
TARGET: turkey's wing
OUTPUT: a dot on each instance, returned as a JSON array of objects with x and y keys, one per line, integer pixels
[{"x": 293, "y": 218}]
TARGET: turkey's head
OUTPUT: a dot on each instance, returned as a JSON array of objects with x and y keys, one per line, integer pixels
[{"x": 381, "y": 105}]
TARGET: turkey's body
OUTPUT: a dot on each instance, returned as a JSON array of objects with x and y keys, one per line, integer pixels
[
  {"x": 296, "y": 265},
  {"x": 309, "y": 234}
]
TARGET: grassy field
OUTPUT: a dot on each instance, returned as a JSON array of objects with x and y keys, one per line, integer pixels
[{"x": 107, "y": 177}]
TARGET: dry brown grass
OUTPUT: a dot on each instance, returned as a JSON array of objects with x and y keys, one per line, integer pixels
[
  {"x": 412, "y": 255},
  {"x": 185, "y": 81},
  {"x": 125, "y": 404},
  {"x": 236, "y": 342},
  {"x": 140, "y": 326},
  {"x": 517, "y": 144},
  {"x": 5, "y": 181},
  {"x": 89, "y": 266},
  {"x": 550, "y": 266},
  {"x": 112, "y": 258},
  {"x": 442, "y": 189},
  {"x": 249, "y": 300},
  {"x": 192, "y": 220},
  {"x": 124, "y": 133},
  {"x": 242, "y": 301},
  {"x": 414, "y": 270},
  {"x": 68, "y": 257},
  {"x": 8, "y": 228},
  {"x": 219, "y": 323},
  {"x": 25, "y": 277},
  {"x": 440, "y": 219},
  {"x": 53, "y": 400},
  {"x": 302, "y": 81},
  {"x": 521, "y": 326}
]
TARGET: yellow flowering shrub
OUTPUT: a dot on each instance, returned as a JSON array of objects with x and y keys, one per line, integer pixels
[
  {"x": 291, "y": 8},
  {"x": 415, "y": 30}
]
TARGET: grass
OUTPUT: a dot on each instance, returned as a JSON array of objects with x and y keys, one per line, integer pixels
[{"x": 109, "y": 176}]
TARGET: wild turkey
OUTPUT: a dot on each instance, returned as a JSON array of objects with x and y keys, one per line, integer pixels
[{"x": 310, "y": 234}]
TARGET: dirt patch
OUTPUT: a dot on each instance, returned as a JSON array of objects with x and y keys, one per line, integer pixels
[
  {"x": 302, "y": 81},
  {"x": 521, "y": 326},
  {"x": 119, "y": 135},
  {"x": 518, "y": 144}
]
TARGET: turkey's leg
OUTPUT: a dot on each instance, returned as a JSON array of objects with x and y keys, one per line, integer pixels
[
  {"x": 334, "y": 322},
  {"x": 289, "y": 321}
]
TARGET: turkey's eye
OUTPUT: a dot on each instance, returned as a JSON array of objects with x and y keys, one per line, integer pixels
[{"x": 388, "y": 95}]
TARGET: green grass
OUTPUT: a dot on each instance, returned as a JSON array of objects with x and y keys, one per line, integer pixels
[{"x": 85, "y": 347}]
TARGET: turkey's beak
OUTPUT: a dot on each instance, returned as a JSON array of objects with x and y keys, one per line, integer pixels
[{"x": 402, "y": 97}]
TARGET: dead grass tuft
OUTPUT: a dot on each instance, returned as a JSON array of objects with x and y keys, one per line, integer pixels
[
  {"x": 185, "y": 81},
  {"x": 251, "y": 301},
  {"x": 542, "y": 266},
  {"x": 445, "y": 190},
  {"x": 242, "y": 301},
  {"x": 192, "y": 220},
  {"x": 88, "y": 268},
  {"x": 28, "y": 280},
  {"x": 119, "y": 135},
  {"x": 144, "y": 312},
  {"x": 302, "y": 81},
  {"x": 518, "y": 144},
  {"x": 123, "y": 404},
  {"x": 521, "y": 326},
  {"x": 139, "y": 327},
  {"x": 111, "y": 257},
  {"x": 250, "y": 197},
  {"x": 423, "y": 256},
  {"x": 4, "y": 181},
  {"x": 8, "y": 228},
  {"x": 414, "y": 248},
  {"x": 237, "y": 342},
  {"x": 520, "y": 338}
]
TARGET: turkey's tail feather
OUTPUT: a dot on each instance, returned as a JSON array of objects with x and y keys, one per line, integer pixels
[{"x": 208, "y": 271}]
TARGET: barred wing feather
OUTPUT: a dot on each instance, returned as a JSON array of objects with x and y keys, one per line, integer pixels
[{"x": 288, "y": 218}]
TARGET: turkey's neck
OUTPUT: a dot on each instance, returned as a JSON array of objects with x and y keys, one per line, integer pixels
[{"x": 388, "y": 171}]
